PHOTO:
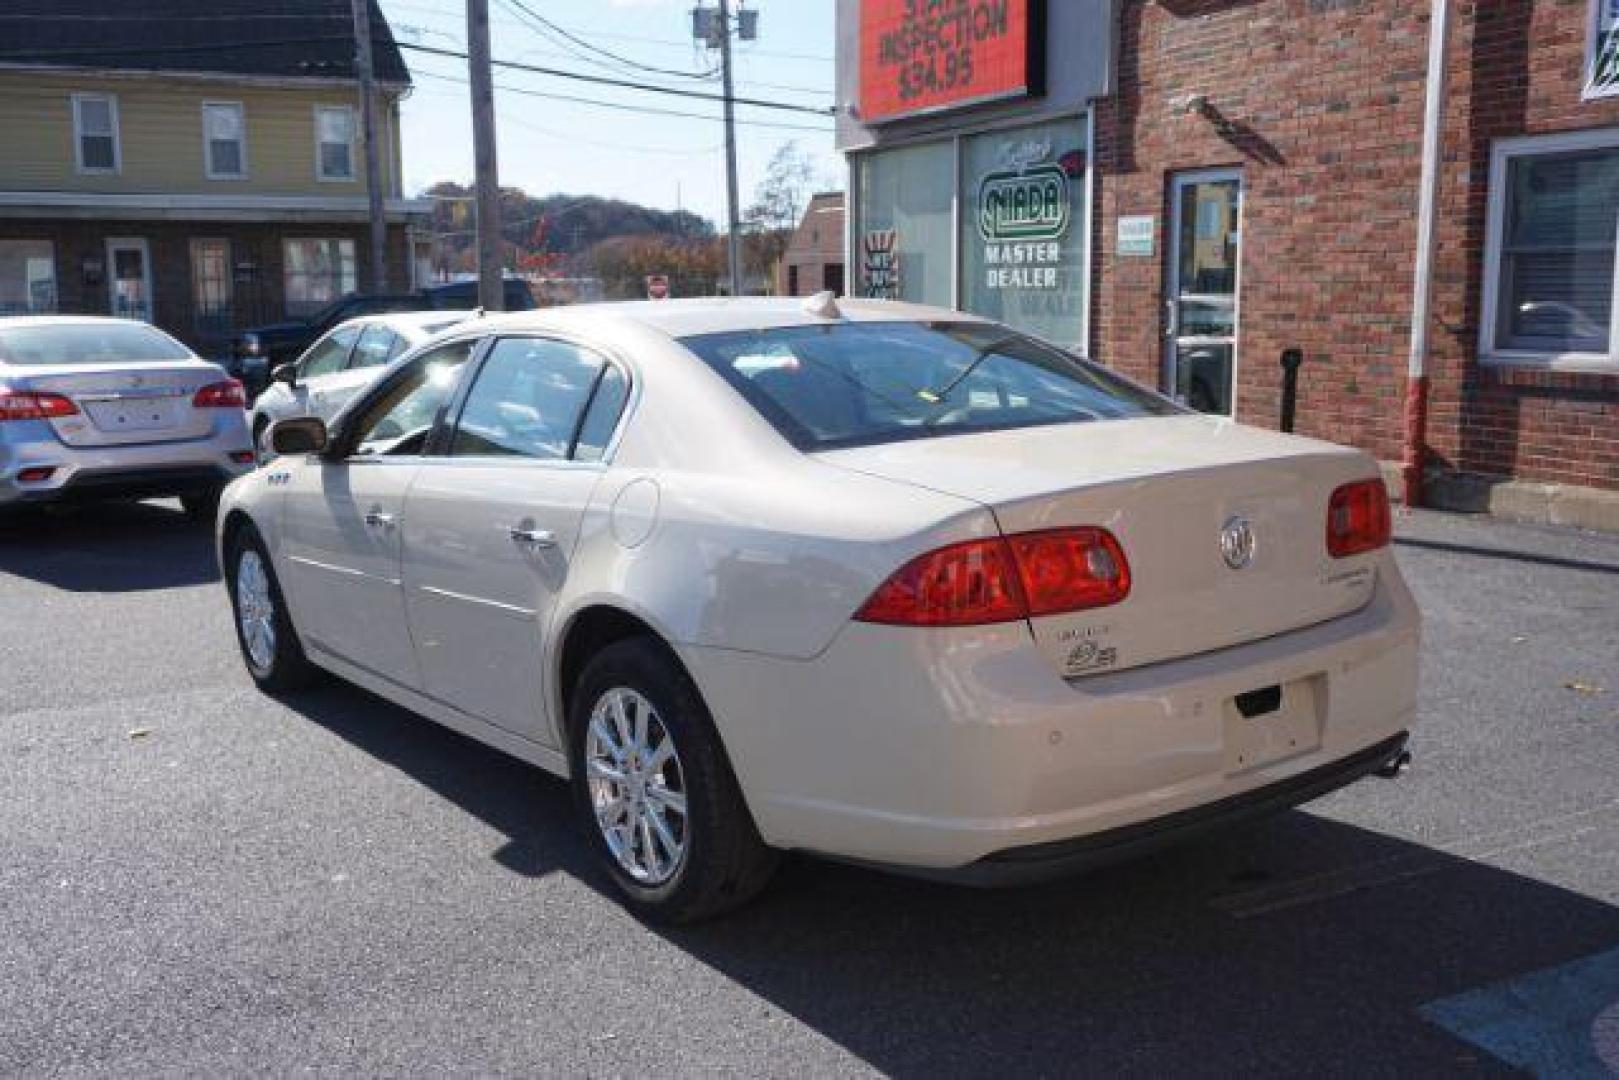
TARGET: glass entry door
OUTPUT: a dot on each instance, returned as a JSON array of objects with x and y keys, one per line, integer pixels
[
  {"x": 1200, "y": 327},
  {"x": 129, "y": 279}
]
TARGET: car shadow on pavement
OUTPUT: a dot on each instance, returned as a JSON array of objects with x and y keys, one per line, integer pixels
[
  {"x": 1297, "y": 944},
  {"x": 108, "y": 547}
]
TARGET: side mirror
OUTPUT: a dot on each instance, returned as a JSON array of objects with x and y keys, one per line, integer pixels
[
  {"x": 298, "y": 435},
  {"x": 286, "y": 373}
]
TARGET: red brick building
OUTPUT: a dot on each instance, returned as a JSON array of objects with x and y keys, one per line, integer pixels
[
  {"x": 813, "y": 261},
  {"x": 1241, "y": 177}
]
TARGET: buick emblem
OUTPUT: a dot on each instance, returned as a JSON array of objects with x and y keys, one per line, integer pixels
[{"x": 1237, "y": 542}]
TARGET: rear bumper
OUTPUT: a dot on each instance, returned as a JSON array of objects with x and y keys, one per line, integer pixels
[
  {"x": 146, "y": 470},
  {"x": 90, "y": 485},
  {"x": 1042, "y": 862},
  {"x": 946, "y": 749}
]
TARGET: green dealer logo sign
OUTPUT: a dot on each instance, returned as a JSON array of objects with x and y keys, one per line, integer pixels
[{"x": 1029, "y": 204}]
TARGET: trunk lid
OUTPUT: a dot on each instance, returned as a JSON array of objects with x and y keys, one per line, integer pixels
[
  {"x": 1168, "y": 488},
  {"x": 124, "y": 403}
]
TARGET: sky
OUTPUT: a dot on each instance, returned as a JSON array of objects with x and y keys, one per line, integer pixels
[{"x": 548, "y": 146}]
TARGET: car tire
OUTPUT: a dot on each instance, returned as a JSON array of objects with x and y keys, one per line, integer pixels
[
  {"x": 270, "y": 648},
  {"x": 202, "y": 505},
  {"x": 722, "y": 862}
]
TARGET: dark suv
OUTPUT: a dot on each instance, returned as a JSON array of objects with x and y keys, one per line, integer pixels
[{"x": 256, "y": 352}]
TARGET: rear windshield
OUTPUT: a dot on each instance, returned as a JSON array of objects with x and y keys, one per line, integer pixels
[
  {"x": 853, "y": 384},
  {"x": 87, "y": 343}
]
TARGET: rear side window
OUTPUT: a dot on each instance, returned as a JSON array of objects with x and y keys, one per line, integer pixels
[
  {"x": 376, "y": 346},
  {"x": 852, "y": 384},
  {"x": 527, "y": 400},
  {"x": 601, "y": 418},
  {"x": 87, "y": 343}
]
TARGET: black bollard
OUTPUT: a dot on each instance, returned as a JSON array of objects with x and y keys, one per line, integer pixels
[{"x": 1291, "y": 359}]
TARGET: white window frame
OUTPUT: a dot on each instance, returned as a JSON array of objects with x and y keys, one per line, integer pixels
[
  {"x": 207, "y": 143},
  {"x": 1501, "y": 156},
  {"x": 78, "y": 98},
  {"x": 320, "y": 163}
]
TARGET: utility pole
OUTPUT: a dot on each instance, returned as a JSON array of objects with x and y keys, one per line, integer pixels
[
  {"x": 491, "y": 290},
  {"x": 368, "y": 126},
  {"x": 734, "y": 225}
]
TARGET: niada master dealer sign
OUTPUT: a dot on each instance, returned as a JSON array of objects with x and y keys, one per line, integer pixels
[
  {"x": 921, "y": 56},
  {"x": 1023, "y": 213}
]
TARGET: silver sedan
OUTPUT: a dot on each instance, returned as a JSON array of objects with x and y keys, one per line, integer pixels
[{"x": 94, "y": 408}]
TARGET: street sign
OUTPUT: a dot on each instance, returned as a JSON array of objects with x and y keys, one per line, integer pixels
[{"x": 657, "y": 286}]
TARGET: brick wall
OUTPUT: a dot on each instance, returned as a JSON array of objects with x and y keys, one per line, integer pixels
[{"x": 1323, "y": 101}]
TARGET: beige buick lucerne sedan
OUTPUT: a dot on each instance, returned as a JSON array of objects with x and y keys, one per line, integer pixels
[{"x": 886, "y": 583}]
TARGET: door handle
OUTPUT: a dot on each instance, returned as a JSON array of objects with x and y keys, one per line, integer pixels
[
  {"x": 378, "y": 520},
  {"x": 540, "y": 538},
  {"x": 1171, "y": 318}
]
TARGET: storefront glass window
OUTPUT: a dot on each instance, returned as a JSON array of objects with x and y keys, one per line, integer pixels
[
  {"x": 27, "y": 277},
  {"x": 1023, "y": 224},
  {"x": 903, "y": 244}
]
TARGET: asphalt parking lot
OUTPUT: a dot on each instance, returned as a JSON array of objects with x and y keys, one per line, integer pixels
[{"x": 197, "y": 879}]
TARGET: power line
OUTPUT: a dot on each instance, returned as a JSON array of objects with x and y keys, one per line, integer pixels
[
  {"x": 603, "y": 80},
  {"x": 649, "y": 110},
  {"x": 641, "y": 38},
  {"x": 540, "y": 20},
  {"x": 418, "y": 29}
]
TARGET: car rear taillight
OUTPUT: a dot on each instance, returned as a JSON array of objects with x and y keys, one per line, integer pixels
[
  {"x": 1070, "y": 569},
  {"x": 221, "y": 395},
  {"x": 33, "y": 405},
  {"x": 1003, "y": 579},
  {"x": 1358, "y": 519}
]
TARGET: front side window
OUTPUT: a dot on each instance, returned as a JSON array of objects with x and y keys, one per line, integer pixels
[
  {"x": 527, "y": 401},
  {"x": 330, "y": 354},
  {"x": 399, "y": 420},
  {"x": 211, "y": 284},
  {"x": 224, "y": 130},
  {"x": 27, "y": 277},
  {"x": 317, "y": 273},
  {"x": 854, "y": 384},
  {"x": 334, "y": 142},
  {"x": 95, "y": 132}
]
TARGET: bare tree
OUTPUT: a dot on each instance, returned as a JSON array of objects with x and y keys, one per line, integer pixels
[{"x": 778, "y": 203}]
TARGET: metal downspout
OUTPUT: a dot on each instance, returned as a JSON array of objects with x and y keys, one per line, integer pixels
[{"x": 1416, "y": 377}]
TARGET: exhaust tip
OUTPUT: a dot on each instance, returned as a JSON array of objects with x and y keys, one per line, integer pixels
[{"x": 1395, "y": 766}]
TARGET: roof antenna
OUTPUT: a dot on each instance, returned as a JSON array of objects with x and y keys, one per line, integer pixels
[{"x": 823, "y": 305}]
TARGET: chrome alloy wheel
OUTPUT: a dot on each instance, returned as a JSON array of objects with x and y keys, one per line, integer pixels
[
  {"x": 255, "y": 610},
  {"x": 636, "y": 785}
]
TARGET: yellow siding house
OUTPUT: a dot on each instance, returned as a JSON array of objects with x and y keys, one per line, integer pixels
[{"x": 198, "y": 167}]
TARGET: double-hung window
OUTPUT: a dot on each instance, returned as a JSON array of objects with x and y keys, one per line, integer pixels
[
  {"x": 224, "y": 133},
  {"x": 1550, "y": 273},
  {"x": 95, "y": 133},
  {"x": 334, "y": 142}
]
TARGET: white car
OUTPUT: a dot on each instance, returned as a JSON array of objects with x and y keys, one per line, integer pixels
[
  {"x": 341, "y": 362},
  {"x": 99, "y": 408},
  {"x": 882, "y": 582}
]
